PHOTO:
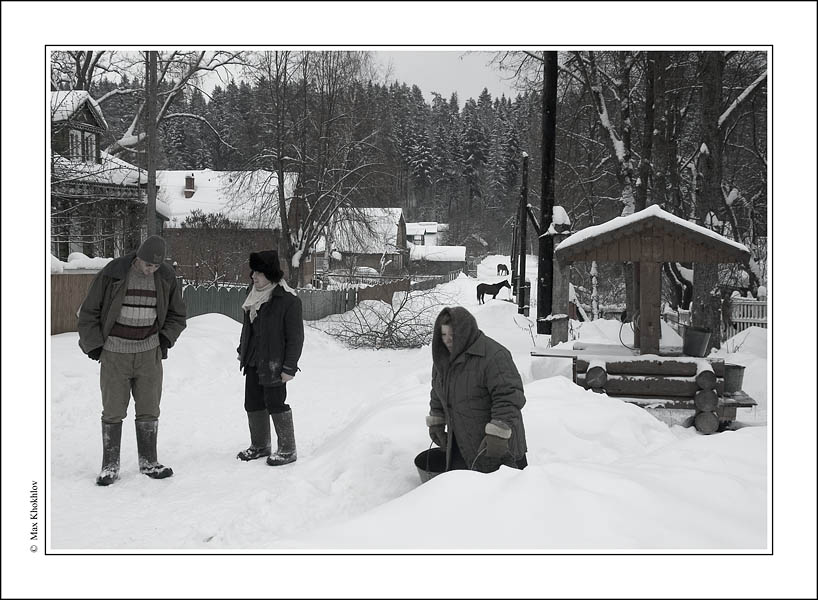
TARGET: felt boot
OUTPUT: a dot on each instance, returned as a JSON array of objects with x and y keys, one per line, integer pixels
[
  {"x": 146, "y": 432},
  {"x": 259, "y": 422},
  {"x": 111, "y": 440},
  {"x": 283, "y": 423}
]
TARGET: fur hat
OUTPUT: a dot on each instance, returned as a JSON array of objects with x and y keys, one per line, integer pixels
[
  {"x": 152, "y": 250},
  {"x": 266, "y": 262}
]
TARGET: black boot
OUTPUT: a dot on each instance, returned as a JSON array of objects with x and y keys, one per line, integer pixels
[
  {"x": 259, "y": 421},
  {"x": 283, "y": 423},
  {"x": 111, "y": 440},
  {"x": 146, "y": 447}
]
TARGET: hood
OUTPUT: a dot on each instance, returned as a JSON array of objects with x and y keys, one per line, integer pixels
[{"x": 465, "y": 330}]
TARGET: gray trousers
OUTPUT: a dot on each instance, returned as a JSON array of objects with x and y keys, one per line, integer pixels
[{"x": 123, "y": 373}]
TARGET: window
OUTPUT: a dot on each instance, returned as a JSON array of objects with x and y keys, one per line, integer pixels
[
  {"x": 74, "y": 144},
  {"x": 419, "y": 240},
  {"x": 89, "y": 147}
]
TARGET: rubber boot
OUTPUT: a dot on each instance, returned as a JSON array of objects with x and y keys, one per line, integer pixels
[
  {"x": 111, "y": 440},
  {"x": 259, "y": 422},
  {"x": 285, "y": 454},
  {"x": 146, "y": 432}
]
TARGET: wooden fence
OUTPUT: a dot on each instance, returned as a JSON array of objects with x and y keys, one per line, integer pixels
[
  {"x": 315, "y": 304},
  {"x": 68, "y": 290},
  {"x": 745, "y": 313}
]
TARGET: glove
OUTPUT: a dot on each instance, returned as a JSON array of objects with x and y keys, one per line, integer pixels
[
  {"x": 95, "y": 353},
  {"x": 495, "y": 443},
  {"x": 164, "y": 344},
  {"x": 437, "y": 430}
]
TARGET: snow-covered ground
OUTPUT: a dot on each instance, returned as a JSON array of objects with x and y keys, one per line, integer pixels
[{"x": 603, "y": 476}]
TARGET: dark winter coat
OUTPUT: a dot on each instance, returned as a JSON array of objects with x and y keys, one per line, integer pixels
[
  {"x": 278, "y": 330},
  {"x": 476, "y": 383},
  {"x": 100, "y": 309}
]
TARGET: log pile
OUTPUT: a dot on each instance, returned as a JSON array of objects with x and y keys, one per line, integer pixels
[{"x": 683, "y": 383}]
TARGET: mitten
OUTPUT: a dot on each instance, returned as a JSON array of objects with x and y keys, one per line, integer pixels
[
  {"x": 437, "y": 430},
  {"x": 95, "y": 353},
  {"x": 164, "y": 344},
  {"x": 495, "y": 442}
]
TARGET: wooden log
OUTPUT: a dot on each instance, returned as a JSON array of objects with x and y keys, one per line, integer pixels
[
  {"x": 707, "y": 422},
  {"x": 705, "y": 376},
  {"x": 706, "y": 400},
  {"x": 596, "y": 375},
  {"x": 651, "y": 386},
  {"x": 666, "y": 367}
]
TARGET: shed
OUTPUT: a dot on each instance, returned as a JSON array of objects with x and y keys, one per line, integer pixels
[{"x": 650, "y": 237}]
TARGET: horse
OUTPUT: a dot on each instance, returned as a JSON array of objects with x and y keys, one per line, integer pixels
[
  {"x": 502, "y": 270},
  {"x": 490, "y": 288}
]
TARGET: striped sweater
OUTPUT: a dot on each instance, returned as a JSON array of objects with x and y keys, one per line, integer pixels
[{"x": 136, "y": 329}]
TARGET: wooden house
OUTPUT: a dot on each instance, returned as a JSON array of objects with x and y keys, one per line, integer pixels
[
  {"x": 368, "y": 237},
  {"x": 217, "y": 250},
  {"x": 98, "y": 201}
]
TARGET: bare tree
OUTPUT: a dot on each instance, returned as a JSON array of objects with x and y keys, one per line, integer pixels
[
  {"x": 177, "y": 71},
  {"x": 317, "y": 133},
  {"x": 406, "y": 323}
]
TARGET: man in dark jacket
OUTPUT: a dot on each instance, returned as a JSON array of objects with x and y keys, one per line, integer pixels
[
  {"x": 272, "y": 337},
  {"x": 476, "y": 398},
  {"x": 132, "y": 314}
]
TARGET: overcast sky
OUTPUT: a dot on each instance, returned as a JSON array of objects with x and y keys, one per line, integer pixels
[{"x": 444, "y": 72}]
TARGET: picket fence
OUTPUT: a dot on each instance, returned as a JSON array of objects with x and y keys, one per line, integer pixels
[{"x": 743, "y": 314}]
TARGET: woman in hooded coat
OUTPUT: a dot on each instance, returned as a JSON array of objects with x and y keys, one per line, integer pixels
[
  {"x": 272, "y": 337},
  {"x": 476, "y": 398}
]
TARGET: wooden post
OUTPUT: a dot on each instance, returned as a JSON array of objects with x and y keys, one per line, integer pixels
[
  {"x": 559, "y": 304},
  {"x": 649, "y": 302}
]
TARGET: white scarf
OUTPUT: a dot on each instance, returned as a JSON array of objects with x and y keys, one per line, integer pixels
[{"x": 256, "y": 298}]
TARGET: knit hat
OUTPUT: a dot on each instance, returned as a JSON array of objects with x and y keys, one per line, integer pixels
[
  {"x": 266, "y": 262},
  {"x": 152, "y": 250}
]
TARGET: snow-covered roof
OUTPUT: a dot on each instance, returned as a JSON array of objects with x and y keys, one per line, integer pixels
[
  {"x": 109, "y": 171},
  {"x": 591, "y": 239},
  {"x": 351, "y": 236},
  {"x": 437, "y": 253},
  {"x": 421, "y": 228},
  {"x": 65, "y": 103},
  {"x": 235, "y": 194}
]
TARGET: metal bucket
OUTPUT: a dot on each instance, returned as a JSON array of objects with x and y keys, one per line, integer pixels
[
  {"x": 695, "y": 341},
  {"x": 733, "y": 378},
  {"x": 430, "y": 463}
]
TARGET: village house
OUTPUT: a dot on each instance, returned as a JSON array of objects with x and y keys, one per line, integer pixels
[
  {"x": 426, "y": 233},
  {"x": 367, "y": 237},
  {"x": 98, "y": 201},
  {"x": 232, "y": 221}
]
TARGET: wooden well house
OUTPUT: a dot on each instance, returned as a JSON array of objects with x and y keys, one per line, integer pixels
[{"x": 647, "y": 374}]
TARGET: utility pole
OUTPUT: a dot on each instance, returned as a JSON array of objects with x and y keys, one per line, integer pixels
[
  {"x": 150, "y": 131},
  {"x": 545, "y": 269},
  {"x": 522, "y": 301}
]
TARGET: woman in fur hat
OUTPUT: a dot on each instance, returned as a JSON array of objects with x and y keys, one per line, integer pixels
[
  {"x": 272, "y": 337},
  {"x": 476, "y": 398}
]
